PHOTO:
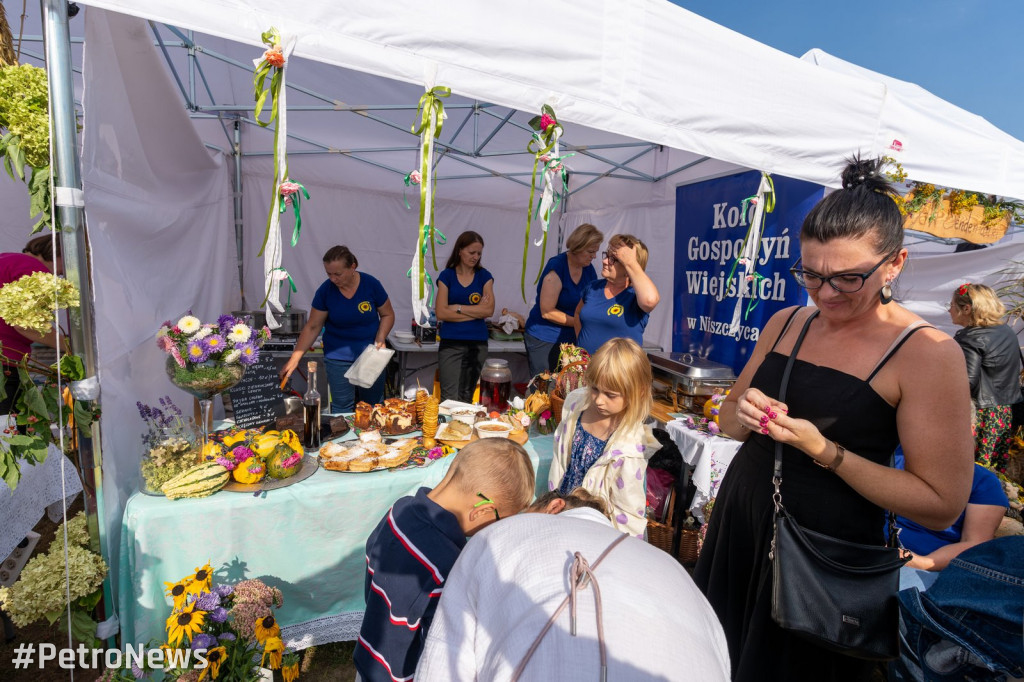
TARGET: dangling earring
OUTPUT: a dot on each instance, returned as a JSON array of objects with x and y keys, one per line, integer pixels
[{"x": 885, "y": 295}]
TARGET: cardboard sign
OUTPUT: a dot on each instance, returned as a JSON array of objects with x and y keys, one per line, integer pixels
[
  {"x": 255, "y": 398},
  {"x": 969, "y": 225}
]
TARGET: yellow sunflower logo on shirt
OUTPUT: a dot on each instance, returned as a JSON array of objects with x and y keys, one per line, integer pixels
[
  {"x": 615, "y": 311},
  {"x": 474, "y": 298},
  {"x": 365, "y": 307}
]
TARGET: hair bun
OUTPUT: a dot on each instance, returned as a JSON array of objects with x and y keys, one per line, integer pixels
[{"x": 865, "y": 173}]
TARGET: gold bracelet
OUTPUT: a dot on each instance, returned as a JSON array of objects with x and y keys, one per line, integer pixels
[{"x": 836, "y": 461}]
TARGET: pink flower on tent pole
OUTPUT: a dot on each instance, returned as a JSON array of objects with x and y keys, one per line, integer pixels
[
  {"x": 415, "y": 177},
  {"x": 287, "y": 189},
  {"x": 274, "y": 56},
  {"x": 546, "y": 121}
]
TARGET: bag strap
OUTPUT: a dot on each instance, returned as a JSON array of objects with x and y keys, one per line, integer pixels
[
  {"x": 777, "y": 470},
  {"x": 580, "y": 574}
]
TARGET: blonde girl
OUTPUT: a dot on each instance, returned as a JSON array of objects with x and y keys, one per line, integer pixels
[{"x": 602, "y": 443}]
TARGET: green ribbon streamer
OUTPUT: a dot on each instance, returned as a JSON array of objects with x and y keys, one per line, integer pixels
[
  {"x": 430, "y": 106},
  {"x": 769, "y": 207},
  {"x": 291, "y": 283},
  {"x": 541, "y": 142},
  {"x": 270, "y": 38},
  {"x": 296, "y": 199},
  {"x": 408, "y": 183},
  {"x": 425, "y": 279}
]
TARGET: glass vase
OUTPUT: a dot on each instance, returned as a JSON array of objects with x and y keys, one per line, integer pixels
[{"x": 204, "y": 380}]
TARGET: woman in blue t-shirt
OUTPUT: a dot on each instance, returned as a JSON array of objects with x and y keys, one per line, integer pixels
[
  {"x": 620, "y": 304},
  {"x": 565, "y": 277},
  {"x": 465, "y": 299},
  {"x": 354, "y": 311}
]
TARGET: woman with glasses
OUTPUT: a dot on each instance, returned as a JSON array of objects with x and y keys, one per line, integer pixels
[
  {"x": 993, "y": 359},
  {"x": 565, "y": 277},
  {"x": 619, "y": 305},
  {"x": 869, "y": 375}
]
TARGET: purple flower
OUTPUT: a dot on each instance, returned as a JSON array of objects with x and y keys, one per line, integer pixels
[
  {"x": 214, "y": 343},
  {"x": 225, "y": 323},
  {"x": 197, "y": 352},
  {"x": 223, "y": 590},
  {"x": 219, "y": 614},
  {"x": 249, "y": 353},
  {"x": 208, "y": 601},
  {"x": 203, "y": 641},
  {"x": 226, "y": 636},
  {"x": 137, "y": 672}
]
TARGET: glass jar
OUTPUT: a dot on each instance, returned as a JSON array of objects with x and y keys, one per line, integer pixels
[{"x": 495, "y": 385}]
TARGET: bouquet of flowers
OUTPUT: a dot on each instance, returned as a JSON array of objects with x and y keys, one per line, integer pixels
[
  {"x": 170, "y": 444},
  {"x": 219, "y": 632},
  {"x": 206, "y": 359}
]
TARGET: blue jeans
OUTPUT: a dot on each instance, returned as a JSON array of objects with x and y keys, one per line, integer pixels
[
  {"x": 344, "y": 395},
  {"x": 541, "y": 355}
]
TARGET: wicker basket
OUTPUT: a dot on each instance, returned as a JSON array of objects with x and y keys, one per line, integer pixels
[
  {"x": 660, "y": 535},
  {"x": 558, "y": 401}
]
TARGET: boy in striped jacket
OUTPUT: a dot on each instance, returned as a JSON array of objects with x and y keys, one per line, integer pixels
[{"x": 412, "y": 549}]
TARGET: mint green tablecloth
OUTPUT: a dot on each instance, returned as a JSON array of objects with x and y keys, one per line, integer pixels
[{"x": 307, "y": 539}]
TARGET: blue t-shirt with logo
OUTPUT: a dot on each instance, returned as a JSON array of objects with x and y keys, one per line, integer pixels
[
  {"x": 986, "y": 489},
  {"x": 603, "y": 318},
  {"x": 568, "y": 298},
  {"x": 352, "y": 323},
  {"x": 469, "y": 330}
]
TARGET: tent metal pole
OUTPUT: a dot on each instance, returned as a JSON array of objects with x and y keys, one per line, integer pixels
[
  {"x": 70, "y": 210},
  {"x": 237, "y": 154}
]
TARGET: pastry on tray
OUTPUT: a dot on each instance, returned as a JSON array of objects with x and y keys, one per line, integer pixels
[
  {"x": 456, "y": 430},
  {"x": 361, "y": 419}
]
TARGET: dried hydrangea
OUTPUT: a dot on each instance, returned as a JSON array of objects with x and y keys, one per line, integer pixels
[
  {"x": 40, "y": 590},
  {"x": 29, "y": 302},
  {"x": 78, "y": 533},
  {"x": 257, "y": 591},
  {"x": 23, "y": 110},
  {"x": 165, "y": 461}
]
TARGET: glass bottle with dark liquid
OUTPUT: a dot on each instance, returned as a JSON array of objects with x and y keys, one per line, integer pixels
[
  {"x": 311, "y": 411},
  {"x": 495, "y": 385}
]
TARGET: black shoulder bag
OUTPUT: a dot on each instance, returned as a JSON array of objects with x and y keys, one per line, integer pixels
[{"x": 840, "y": 595}]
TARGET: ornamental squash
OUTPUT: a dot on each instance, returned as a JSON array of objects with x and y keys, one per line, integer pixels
[
  {"x": 264, "y": 444},
  {"x": 199, "y": 481},
  {"x": 277, "y": 458},
  {"x": 251, "y": 470}
]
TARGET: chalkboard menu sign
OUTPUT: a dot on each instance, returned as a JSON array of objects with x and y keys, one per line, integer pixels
[{"x": 255, "y": 398}]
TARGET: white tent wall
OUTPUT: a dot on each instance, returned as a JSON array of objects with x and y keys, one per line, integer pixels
[{"x": 161, "y": 236}]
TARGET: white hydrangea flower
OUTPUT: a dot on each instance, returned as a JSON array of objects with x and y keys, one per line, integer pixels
[
  {"x": 240, "y": 333},
  {"x": 189, "y": 324},
  {"x": 232, "y": 357}
]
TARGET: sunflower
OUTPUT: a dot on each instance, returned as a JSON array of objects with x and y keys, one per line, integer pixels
[
  {"x": 184, "y": 623},
  {"x": 274, "y": 648},
  {"x": 178, "y": 591},
  {"x": 201, "y": 579},
  {"x": 265, "y": 628},
  {"x": 214, "y": 657},
  {"x": 290, "y": 673}
]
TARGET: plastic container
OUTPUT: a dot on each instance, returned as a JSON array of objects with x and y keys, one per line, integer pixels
[{"x": 495, "y": 385}]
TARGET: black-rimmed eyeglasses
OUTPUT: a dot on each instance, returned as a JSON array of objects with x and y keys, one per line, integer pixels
[
  {"x": 607, "y": 255},
  {"x": 844, "y": 282}
]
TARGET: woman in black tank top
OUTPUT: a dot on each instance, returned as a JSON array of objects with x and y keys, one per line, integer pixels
[{"x": 868, "y": 376}]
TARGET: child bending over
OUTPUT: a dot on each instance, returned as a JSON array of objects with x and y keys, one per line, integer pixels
[{"x": 412, "y": 549}]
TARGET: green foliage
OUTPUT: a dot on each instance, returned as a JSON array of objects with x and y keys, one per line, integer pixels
[{"x": 24, "y": 116}]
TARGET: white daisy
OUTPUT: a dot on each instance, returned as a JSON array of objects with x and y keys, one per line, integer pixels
[
  {"x": 164, "y": 331},
  {"x": 189, "y": 324},
  {"x": 240, "y": 333},
  {"x": 202, "y": 333},
  {"x": 232, "y": 357}
]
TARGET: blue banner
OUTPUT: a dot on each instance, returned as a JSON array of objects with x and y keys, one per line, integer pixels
[{"x": 712, "y": 221}]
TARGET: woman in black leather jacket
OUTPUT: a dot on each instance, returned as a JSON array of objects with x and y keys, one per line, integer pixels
[{"x": 993, "y": 368}]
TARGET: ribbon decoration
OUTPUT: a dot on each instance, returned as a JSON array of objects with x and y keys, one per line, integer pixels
[
  {"x": 274, "y": 60},
  {"x": 430, "y": 114},
  {"x": 411, "y": 178},
  {"x": 279, "y": 275},
  {"x": 544, "y": 147},
  {"x": 763, "y": 202},
  {"x": 291, "y": 193}
]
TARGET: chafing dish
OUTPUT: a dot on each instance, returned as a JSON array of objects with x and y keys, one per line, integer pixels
[{"x": 692, "y": 376}]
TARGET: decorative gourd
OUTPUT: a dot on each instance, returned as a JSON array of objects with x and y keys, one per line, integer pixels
[
  {"x": 199, "y": 481},
  {"x": 212, "y": 451},
  {"x": 275, "y": 462},
  {"x": 250, "y": 471}
]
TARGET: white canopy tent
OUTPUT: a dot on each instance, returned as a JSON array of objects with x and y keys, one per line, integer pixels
[{"x": 651, "y": 96}]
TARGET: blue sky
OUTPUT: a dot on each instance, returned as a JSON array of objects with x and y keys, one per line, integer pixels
[{"x": 969, "y": 52}]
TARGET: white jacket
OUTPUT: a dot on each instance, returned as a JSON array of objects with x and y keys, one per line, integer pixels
[{"x": 619, "y": 474}]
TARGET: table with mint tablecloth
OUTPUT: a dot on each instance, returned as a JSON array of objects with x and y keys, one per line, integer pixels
[{"x": 307, "y": 539}]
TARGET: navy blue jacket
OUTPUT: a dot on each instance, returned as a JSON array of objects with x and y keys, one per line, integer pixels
[{"x": 408, "y": 557}]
